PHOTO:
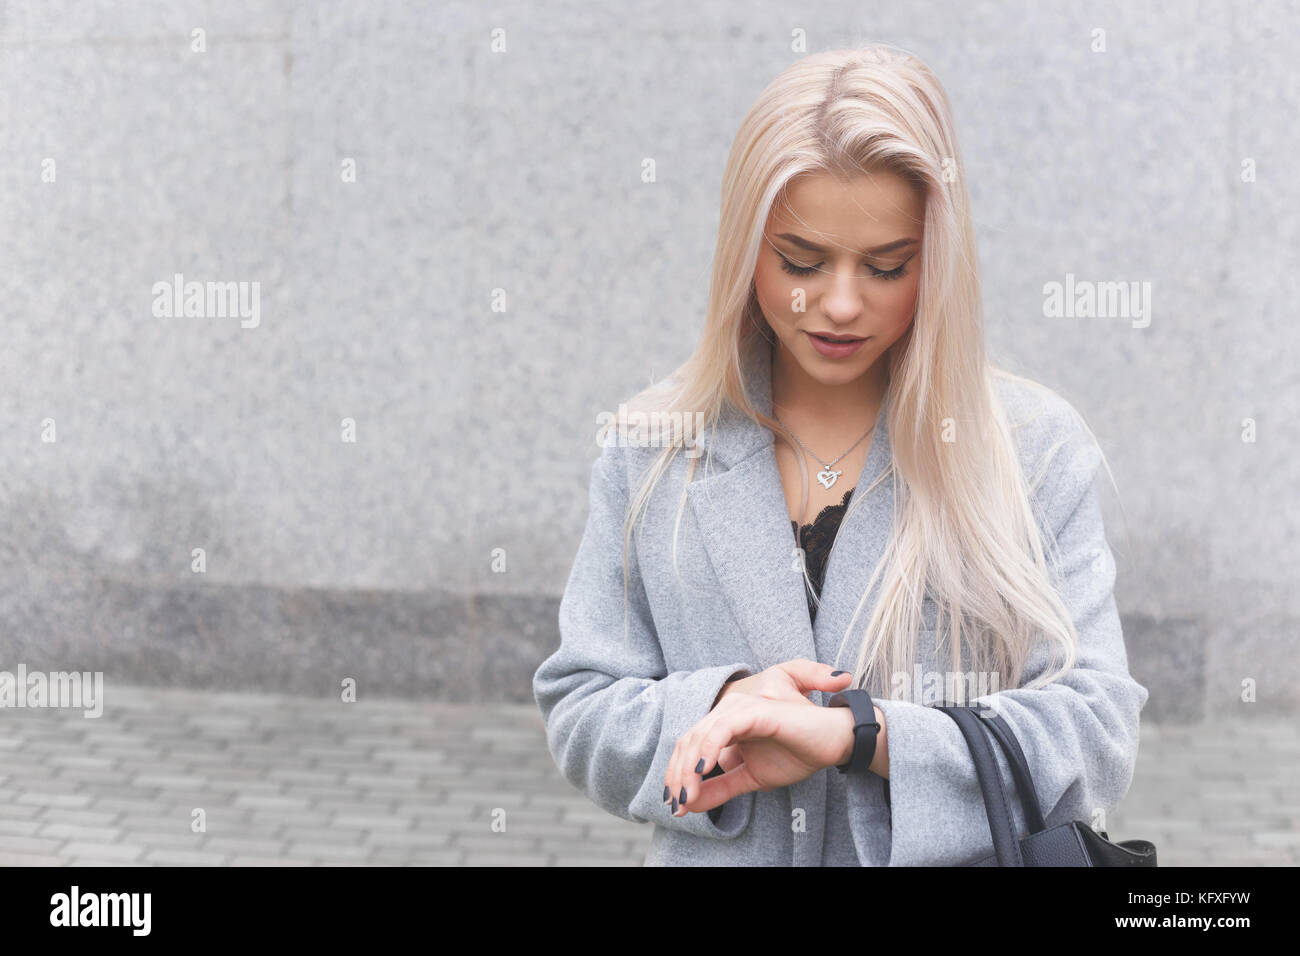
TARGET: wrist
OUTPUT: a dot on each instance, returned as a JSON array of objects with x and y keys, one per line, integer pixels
[
  {"x": 844, "y": 734},
  {"x": 721, "y": 694},
  {"x": 880, "y": 761},
  {"x": 863, "y": 724}
]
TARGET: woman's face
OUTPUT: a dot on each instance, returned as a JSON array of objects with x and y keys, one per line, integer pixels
[{"x": 844, "y": 260}]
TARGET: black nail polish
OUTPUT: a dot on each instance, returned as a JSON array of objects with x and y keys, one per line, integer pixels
[
  {"x": 838, "y": 673},
  {"x": 666, "y": 792},
  {"x": 683, "y": 796},
  {"x": 699, "y": 767},
  {"x": 674, "y": 804}
]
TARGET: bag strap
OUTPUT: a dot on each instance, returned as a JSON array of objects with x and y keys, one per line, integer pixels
[
  {"x": 996, "y": 807},
  {"x": 997, "y": 725}
]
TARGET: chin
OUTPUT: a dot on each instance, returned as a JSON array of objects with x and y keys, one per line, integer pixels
[
  {"x": 832, "y": 370},
  {"x": 834, "y": 374}
]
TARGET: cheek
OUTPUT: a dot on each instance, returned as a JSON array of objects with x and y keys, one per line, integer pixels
[
  {"x": 773, "y": 291},
  {"x": 898, "y": 302}
]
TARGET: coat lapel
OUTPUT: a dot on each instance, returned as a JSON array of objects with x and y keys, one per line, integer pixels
[
  {"x": 859, "y": 545},
  {"x": 739, "y": 506}
]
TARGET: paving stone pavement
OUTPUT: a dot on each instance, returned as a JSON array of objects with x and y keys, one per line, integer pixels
[{"x": 285, "y": 781}]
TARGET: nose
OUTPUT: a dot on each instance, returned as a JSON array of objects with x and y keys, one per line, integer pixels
[{"x": 842, "y": 300}]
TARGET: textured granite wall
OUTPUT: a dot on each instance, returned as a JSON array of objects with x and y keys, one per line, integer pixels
[{"x": 387, "y": 180}]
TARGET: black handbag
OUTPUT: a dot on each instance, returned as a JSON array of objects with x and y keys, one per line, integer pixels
[{"x": 1066, "y": 844}]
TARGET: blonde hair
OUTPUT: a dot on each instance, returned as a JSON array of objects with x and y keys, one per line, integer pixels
[{"x": 964, "y": 524}]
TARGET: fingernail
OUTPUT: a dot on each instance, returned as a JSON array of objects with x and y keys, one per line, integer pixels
[
  {"x": 674, "y": 804},
  {"x": 838, "y": 673},
  {"x": 699, "y": 767},
  {"x": 683, "y": 796},
  {"x": 666, "y": 792}
]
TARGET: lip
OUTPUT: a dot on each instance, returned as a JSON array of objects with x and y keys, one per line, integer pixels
[{"x": 835, "y": 350}]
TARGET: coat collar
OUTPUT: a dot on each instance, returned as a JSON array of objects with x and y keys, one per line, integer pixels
[{"x": 740, "y": 508}]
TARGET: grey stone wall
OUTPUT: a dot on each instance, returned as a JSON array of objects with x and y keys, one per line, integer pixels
[{"x": 129, "y": 156}]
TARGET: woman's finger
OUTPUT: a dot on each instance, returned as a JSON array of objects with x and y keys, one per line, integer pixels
[
  {"x": 671, "y": 786},
  {"x": 809, "y": 676},
  {"x": 729, "y": 758},
  {"x": 716, "y": 791},
  {"x": 681, "y": 773},
  {"x": 685, "y": 766},
  {"x": 740, "y": 721}
]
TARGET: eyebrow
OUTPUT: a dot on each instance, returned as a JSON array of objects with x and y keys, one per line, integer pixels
[{"x": 813, "y": 247}]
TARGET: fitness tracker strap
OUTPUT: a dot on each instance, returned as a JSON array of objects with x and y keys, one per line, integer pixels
[{"x": 865, "y": 728}]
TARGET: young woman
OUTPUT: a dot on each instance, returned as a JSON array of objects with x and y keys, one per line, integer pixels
[{"x": 948, "y": 546}]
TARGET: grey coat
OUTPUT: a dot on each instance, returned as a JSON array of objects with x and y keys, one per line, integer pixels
[{"x": 615, "y": 707}]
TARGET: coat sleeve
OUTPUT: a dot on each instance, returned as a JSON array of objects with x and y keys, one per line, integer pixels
[
  {"x": 613, "y": 712},
  {"x": 1079, "y": 734}
]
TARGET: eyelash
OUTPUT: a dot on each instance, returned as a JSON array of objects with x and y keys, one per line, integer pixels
[{"x": 795, "y": 270}]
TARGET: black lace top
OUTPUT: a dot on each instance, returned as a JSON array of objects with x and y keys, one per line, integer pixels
[{"x": 816, "y": 539}]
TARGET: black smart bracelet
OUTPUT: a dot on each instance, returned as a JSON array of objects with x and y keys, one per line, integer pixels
[{"x": 865, "y": 728}]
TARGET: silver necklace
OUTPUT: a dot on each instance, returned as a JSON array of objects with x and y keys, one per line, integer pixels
[{"x": 826, "y": 476}]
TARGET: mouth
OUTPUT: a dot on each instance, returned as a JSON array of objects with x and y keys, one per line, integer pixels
[
  {"x": 835, "y": 347},
  {"x": 837, "y": 339}
]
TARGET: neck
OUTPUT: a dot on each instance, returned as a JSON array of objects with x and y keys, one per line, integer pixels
[{"x": 796, "y": 395}]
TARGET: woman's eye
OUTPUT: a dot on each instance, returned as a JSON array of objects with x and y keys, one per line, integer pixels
[
  {"x": 891, "y": 274},
  {"x": 795, "y": 270}
]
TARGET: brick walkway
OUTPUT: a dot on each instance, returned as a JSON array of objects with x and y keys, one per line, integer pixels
[{"x": 293, "y": 781}]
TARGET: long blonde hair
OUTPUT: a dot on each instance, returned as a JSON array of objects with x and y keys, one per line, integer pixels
[{"x": 964, "y": 525}]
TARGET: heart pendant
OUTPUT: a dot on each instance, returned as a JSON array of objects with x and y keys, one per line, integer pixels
[{"x": 828, "y": 477}]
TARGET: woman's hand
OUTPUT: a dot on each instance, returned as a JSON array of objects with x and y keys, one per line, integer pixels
[
  {"x": 761, "y": 743},
  {"x": 790, "y": 680}
]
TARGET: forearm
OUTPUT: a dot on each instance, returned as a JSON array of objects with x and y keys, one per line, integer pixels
[{"x": 880, "y": 761}]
